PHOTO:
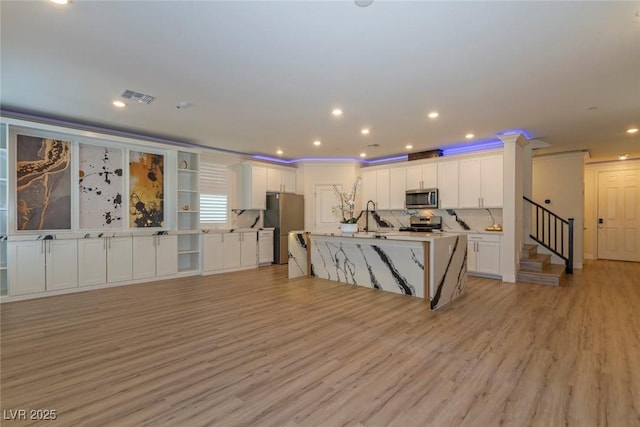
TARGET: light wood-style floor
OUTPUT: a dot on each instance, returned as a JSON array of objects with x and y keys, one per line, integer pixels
[{"x": 256, "y": 349}]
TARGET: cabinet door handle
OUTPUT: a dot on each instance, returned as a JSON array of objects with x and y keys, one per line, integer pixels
[
  {"x": 49, "y": 246},
  {"x": 109, "y": 243}
]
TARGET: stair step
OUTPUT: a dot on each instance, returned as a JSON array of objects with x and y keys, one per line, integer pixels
[
  {"x": 536, "y": 262},
  {"x": 528, "y": 250},
  {"x": 552, "y": 274}
]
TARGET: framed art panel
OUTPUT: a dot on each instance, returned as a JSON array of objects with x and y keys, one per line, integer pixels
[
  {"x": 146, "y": 189},
  {"x": 101, "y": 184},
  {"x": 43, "y": 183}
]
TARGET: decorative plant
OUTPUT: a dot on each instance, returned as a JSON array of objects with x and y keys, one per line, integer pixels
[{"x": 347, "y": 203}]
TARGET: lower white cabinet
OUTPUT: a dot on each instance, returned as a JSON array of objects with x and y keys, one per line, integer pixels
[
  {"x": 230, "y": 251},
  {"x": 42, "y": 265},
  {"x": 483, "y": 254},
  {"x": 104, "y": 260},
  {"x": 155, "y": 256},
  {"x": 265, "y": 247}
]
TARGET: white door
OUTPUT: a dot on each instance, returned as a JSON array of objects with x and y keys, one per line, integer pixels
[
  {"x": 231, "y": 256},
  {"x": 62, "y": 261},
  {"x": 326, "y": 200},
  {"x": 144, "y": 257},
  {"x": 249, "y": 249},
  {"x": 119, "y": 259},
  {"x": 213, "y": 252},
  {"x": 619, "y": 215},
  {"x": 166, "y": 255},
  {"x": 92, "y": 261},
  {"x": 26, "y": 267}
]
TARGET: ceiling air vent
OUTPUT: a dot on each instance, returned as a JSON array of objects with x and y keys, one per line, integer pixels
[{"x": 137, "y": 96}]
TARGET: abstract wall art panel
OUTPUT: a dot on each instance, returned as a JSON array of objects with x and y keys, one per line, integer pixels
[
  {"x": 146, "y": 189},
  {"x": 100, "y": 187},
  {"x": 43, "y": 183}
]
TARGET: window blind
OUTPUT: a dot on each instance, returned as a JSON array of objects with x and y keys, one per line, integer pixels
[{"x": 214, "y": 187}]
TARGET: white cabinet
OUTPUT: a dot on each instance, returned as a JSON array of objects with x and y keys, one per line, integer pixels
[
  {"x": 448, "y": 184},
  {"x": 252, "y": 187},
  {"x": 212, "y": 252},
  {"x": 249, "y": 249},
  {"x": 483, "y": 254},
  {"x": 92, "y": 261},
  {"x": 265, "y": 247},
  {"x": 155, "y": 256},
  {"x": 119, "y": 259},
  {"x": 422, "y": 176},
  {"x": 281, "y": 180},
  {"x": 397, "y": 188},
  {"x": 231, "y": 256},
  {"x": 481, "y": 182},
  {"x": 375, "y": 186},
  {"x": 42, "y": 265}
]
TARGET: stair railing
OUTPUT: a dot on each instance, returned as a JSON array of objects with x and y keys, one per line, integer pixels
[{"x": 553, "y": 232}]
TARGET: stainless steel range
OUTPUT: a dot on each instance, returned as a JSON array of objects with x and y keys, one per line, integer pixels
[{"x": 424, "y": 224}]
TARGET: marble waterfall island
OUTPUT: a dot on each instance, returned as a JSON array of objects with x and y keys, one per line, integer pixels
[{"x": 423, "y": 265}]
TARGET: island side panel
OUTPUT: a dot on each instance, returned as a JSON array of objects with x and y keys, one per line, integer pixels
[
  {"x": 375, "y": 263},
  {"x": 448, "y": 279},
  {"x": 298, "y": 254},
  {"x": 426, "y": 247}
]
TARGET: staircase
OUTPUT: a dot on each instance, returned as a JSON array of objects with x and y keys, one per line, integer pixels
[{"x": 536, "y": 268}]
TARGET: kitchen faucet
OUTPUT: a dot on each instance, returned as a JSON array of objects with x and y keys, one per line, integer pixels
[{"x": 366, "y": 219}]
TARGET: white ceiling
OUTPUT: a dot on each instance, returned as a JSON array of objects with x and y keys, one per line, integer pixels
[{"x": 263, "y": 76}]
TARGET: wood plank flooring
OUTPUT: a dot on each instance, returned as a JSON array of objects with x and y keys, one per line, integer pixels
[{"x": 253, "y": 348}]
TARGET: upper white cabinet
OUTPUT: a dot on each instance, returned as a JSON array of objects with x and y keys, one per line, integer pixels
[
  {"x": 252, "y": 186},
  {"x": 448, "y": 184},
  {"x": 397, "y": 187},
  {"x": 481, "y": 182},
  {"x": 422, "y": 176},
  {"x": 281, "y": 180},
  {"x": 375, "y": 186}
]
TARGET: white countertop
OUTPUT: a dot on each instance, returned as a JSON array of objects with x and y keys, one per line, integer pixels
[{"x": 384, "y": 235}]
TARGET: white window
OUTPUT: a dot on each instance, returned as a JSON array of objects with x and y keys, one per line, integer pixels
[{"x": 214, "y": 179}]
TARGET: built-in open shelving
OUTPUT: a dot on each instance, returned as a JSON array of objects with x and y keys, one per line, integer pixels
[
  {"x": 4, "y": 167},
  {"x": 188, "y": 216}
]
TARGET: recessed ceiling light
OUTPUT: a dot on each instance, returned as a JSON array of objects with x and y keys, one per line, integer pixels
[
  {"x": 632, "y": 130},
  {"x": 623, "y": 157},
  {"x": 469, "y": 135},
  {"x": 363, "y": 3},
  {"x": 279, "y": 152},
  {"x": 433, "y": 114},
  {"x": 363, "y": 154},
  {"x": 408, "y": 146},
  {"x": 317, "y": 142},
  {"x": 337, "y": 112},
  {"x": 119, "y": 104},
  {"x": 365, "y": 131},
  {"x": 61, "y": 1}
]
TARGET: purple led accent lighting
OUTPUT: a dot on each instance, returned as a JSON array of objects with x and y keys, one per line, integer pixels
[
  {"x": 485, "y": 144},
  {"x": 388, "y": 159},
  {"x": 514, "y": 132},
  {"x": 330, "y": 159}
]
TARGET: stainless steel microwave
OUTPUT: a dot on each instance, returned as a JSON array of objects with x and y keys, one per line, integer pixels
[{"x": 422, "y": 199}]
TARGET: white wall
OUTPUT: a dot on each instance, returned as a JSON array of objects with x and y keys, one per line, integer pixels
[
  {"x": 560, "y": 179},
  {"x": 591, "y": 171},
  {"x": 311, "y": 174}
]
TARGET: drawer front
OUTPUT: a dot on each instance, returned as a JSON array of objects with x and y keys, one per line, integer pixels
[{"x": 483, "y": 238}]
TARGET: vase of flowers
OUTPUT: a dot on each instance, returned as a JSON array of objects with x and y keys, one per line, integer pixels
[{"x": 346, "y": 207}]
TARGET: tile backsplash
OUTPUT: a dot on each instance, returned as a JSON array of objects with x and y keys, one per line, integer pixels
[{"x": 452, "y": 219}]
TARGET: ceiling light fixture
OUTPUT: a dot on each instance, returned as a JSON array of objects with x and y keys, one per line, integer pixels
[
  {"x": 623, "y": 157},
  {"x": 61, "y": 1},
  {"x": 119, "y": 104},
  {"x": 363, "y": 154},
  {"x": 408, "y": 146},
  {"x": 337, "y": 112},
  {"x": 469, "y": 136},
  {"x": 363, "y": 3},
  {"x": 632, "y": 130},
  {"x": 365, "y": 131},
  {"x": 317, "y": 142},
  {"x": 279, "y": 152},
  {"x": 433, "y": 114}
]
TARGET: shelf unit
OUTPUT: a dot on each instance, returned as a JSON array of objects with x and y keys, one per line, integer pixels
[
  {"x": 4, "y": 167},
  {"x": 188, "y": 217}
]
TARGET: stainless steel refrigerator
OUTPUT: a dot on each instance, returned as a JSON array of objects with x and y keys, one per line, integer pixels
[{"x": 285, "y": 212}]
